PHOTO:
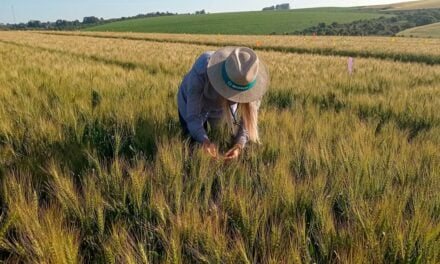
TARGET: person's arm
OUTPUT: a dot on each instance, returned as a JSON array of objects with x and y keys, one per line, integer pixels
[{"x": 194, "y": 117}]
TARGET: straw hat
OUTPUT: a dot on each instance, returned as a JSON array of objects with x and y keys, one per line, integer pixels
[{"x": 238, "y": 75}]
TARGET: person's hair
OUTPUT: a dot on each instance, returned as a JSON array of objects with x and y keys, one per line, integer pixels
[{"x": 249, "y": 115}]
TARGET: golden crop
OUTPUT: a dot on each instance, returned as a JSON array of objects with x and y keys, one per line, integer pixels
[
  {"x": 93, "y": 168},
  {"x": 421, "y": 49}
]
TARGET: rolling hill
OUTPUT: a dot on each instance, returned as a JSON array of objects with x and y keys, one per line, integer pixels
[
  {"x": 241, "y": 23},
  {"x": 412, "y": 5},
  {"x": 432, "y": 30}
]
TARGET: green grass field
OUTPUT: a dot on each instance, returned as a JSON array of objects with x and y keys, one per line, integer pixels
[
  {"x": 242, "y": 23},
  {"x": 94, "y": 169},
  {"x": 432, "y": 30}
]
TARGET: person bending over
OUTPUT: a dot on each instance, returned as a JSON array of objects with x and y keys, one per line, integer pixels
[{"x": 219, "y": 85}]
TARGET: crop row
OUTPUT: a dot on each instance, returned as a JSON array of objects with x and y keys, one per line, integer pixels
[{"x": 398, "y": 49}]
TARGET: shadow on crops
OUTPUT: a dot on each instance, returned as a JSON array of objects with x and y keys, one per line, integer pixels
[
  {"x": 404, "y": 120},
  {"x": 110, "y": 139},
  {"x": 299, "y": 166},
  {"x": 281, "y": 99},
  {"x": 329, "y": 102},
  {"x": 270, "y": 154},
  {"x": 305, "y": 207},
  {"x": 105, "y": 138},
  {"x": 340, "y": 210}
]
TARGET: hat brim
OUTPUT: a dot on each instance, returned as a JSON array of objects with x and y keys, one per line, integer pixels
[{"x": 215, "y": 67}]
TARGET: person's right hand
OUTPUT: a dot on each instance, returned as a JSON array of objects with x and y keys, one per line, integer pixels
[{"x": 210, "y": 148}]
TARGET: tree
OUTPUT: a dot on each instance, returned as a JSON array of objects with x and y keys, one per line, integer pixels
[
  {"x": 34, "y": 24},
  {"x": 395, "y": 29},
  {"x": 61, "y": 23},
  {"x": 380, "y": 27},
  {"x": 425, "y": 20},
  {"x": 91, "y": 20}
]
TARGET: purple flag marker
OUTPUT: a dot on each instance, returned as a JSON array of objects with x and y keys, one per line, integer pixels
[{"x": 350, "y": 65}]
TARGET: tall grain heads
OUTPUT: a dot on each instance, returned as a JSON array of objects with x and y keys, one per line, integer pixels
[{"x": 93, "y": 167}]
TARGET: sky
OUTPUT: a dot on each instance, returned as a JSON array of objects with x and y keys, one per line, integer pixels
[{"x": 51, "y": 10}]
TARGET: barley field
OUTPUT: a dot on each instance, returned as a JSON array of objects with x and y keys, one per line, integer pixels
[
  {"x": 423, "y": 50},
  {"x": 93, "y": 168}
]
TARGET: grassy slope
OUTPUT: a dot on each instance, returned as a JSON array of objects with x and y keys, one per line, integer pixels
[
  {"x": 424, "y": 4},
  {"x": 244, "y": 23},
  {"x": 432, "y": 30}
]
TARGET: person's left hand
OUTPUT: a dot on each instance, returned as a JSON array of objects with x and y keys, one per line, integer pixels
[{"x": 233, "y": 153}]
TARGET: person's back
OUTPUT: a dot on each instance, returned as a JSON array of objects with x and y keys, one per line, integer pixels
[{"x": 192, "y": 83}]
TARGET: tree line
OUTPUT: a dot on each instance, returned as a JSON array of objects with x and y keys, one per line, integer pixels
[
  {"x": 383, "y": 26},
  {"x": 62, "y": 24}
]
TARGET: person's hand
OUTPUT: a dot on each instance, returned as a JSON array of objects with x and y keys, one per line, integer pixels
[
  {"x": 210, "y": 148},
  {"x": 233, "y": 153}
]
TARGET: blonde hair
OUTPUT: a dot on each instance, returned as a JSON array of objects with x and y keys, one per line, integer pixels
[{"x": 249, "y": 115}]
